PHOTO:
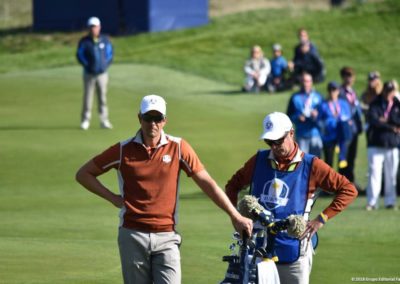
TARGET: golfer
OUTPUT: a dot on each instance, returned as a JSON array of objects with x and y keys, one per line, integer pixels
[
  {"x": 148, "y": 167},
  {"x": 285, "y": 180}
]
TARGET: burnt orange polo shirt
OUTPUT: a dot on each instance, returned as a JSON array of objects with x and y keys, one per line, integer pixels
[
  {"x": 321, "y": 176},
  {"x": 149, "y": 180}
]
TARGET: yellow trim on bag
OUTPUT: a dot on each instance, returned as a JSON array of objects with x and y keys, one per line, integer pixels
[{"x": 274, "y": 259}]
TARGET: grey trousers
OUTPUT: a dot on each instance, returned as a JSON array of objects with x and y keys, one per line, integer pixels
[
  {"x": 311, "y": 145},
  {"x": 91, "y": 84},
  {"x": 148, "y": 258},
  {"x": 299, "y": 271}
]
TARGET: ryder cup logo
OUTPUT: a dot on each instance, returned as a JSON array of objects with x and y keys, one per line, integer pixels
[
  {"x": 275, "y": 194},
  {"x": 268, "y": 125},
  {"x": 166, "y": 159}
]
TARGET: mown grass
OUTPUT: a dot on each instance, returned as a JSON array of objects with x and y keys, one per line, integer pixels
[{"x": 53, "y": 231}]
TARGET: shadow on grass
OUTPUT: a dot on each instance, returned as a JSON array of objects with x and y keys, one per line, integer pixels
[
  {"x": 228, "y": 92},
  {"x": 37, "y": 127},
  {"x": 73, "y": 31},
  {"x": 234, "y": 92},
  {"x": 16, "y": 31}
]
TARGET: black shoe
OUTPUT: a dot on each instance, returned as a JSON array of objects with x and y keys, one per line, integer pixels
[{"x": 391, "y": 207}]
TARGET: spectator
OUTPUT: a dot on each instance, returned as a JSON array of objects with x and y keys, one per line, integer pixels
[
  {"x": 304, "y": 38},
  {"x": 257, "y": 69},
  {"x": 95, "y": 54},
  {"x": 279, "y": 67},
  {"x": 335, "y": 121},
  {"x": 148, "y": 167},
  {"x": 374, "y": 88},
  {"x": 303, "y": 111},
  {"x": 286, "y": 180},
  {"x": 396, "y": 86},
  {"x": 347, "y": 92},
  {"x": 337, "y": 3},
  {"x": 383, "y": 139},
  {"x": 310, "y": 62}
]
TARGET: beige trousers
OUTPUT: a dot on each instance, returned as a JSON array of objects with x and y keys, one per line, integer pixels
[{"x": 91, "y": 84}]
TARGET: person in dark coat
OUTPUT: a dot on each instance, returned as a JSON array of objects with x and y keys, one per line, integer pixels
[{"x": 383, "y": 139}]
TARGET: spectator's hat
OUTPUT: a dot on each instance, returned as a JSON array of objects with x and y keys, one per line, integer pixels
[
  {"x": 389, "y": 86},
  {"x": 93, "y": 21},
  {"x": 153, "y": 102},
  {"x": 373, "y": 75},
  {"x": 276, "y": 47},
  {"x": 275, "y": 126},
  {"x": 332, "y": 85}
]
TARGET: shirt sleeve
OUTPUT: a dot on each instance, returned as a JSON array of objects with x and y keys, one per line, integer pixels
[
  {"x": 295, "y": 108},
  {"x": 240, "y": 180},
  {"x": 80, "y": 54},
  {"x": 284, "y": 63},
  {"x": 109, "y": 52},
  {"x": 247, "y": 68},
  {"x": 267, "y": 67},
  {"x": 190, "y": 162},
  {"x": 109, "y": 159},
  {"x": 323, "y": 176}
]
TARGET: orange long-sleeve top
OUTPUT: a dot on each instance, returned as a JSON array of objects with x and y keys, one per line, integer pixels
[{"x": 321, "y": 176}]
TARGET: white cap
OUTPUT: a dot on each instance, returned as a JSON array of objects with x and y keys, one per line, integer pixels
[
  {"x": 153, "y": 102},
  {"x": 93, "y": 21},
  {"x": 277, "y": 46},
  {"x": 275, "y": 126}
]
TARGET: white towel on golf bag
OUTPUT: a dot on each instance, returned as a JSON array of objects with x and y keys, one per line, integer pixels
[{"x": 267, "y": 273}]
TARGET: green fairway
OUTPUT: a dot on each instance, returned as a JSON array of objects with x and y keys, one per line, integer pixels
[{"x": 53, "y": 231}]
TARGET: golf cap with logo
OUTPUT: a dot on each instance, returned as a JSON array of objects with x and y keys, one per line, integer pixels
[
  {"x": 93, "y": 21},
  {"x": 275, "y": 126},
  {"x": 153, "y": 102}
]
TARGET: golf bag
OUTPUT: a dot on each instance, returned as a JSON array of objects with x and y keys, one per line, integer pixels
[
  {"x": 258, "y": 250},
  {"x": 243, "y": 266}
]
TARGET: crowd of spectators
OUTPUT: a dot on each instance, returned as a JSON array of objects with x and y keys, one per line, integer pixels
[
  {"x": 280, "y": 73},
  {"x": 329, "y": 126}
]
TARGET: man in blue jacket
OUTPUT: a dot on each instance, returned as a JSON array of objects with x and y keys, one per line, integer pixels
[
  {"x": 303, "y": 112},
  {"x": 95, "y": 54}
]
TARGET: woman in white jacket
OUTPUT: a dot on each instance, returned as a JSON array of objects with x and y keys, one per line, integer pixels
[{"x": 257, "y": 69}]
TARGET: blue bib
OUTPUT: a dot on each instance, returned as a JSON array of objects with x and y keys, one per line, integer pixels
[{"x": 283, "y": 193}]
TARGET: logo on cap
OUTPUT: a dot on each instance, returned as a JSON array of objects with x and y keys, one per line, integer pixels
[{"x": 268, "y": 125}]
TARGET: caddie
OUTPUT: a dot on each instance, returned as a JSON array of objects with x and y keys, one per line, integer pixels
[
  {"x": 148, "y": 166},
  {"x": 286, "y": 181}
]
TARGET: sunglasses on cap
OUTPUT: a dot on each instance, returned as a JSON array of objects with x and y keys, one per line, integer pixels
[
  {"x": 150, "y": 118},
  {"x": 276, "y": 142}
]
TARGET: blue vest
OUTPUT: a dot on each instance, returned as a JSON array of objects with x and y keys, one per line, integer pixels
[{"x": 282, "y": 193}]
